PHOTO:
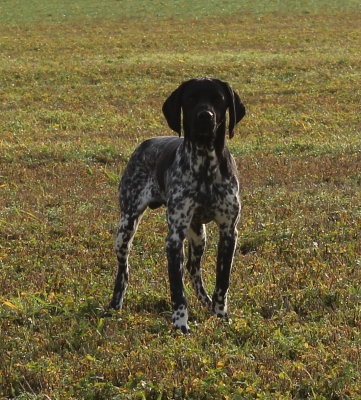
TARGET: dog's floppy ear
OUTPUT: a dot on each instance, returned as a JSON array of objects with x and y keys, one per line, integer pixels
[
  {"x": 236, "y": 109},
  {"x": 172, "y": 109}
]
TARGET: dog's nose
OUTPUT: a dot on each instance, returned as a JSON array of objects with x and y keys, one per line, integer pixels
[{"x": 205, "y": 115}]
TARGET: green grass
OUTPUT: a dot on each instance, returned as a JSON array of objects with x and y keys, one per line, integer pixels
[
  {"x": 81, "y": 84},
  {"x": 17, "y": 11}
]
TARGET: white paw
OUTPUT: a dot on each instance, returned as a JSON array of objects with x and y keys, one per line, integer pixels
[
  {"x": 180, "y": 319},
  {"x": 220, "y": 310}
]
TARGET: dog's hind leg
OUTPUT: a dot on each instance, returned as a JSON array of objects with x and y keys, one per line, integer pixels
[
  {"x": 196, "y": 243},
  {"x": 126, "y": 230},
  {"x": 132, "y": 206}
]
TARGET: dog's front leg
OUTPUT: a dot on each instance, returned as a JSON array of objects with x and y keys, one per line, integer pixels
[
  {"x": 175, "y": 270},
  {"x": 226, "y": 247},
  {"x": 179, "y": 218}
]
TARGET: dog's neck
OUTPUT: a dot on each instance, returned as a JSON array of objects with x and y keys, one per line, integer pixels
[
  {"x": 203, "y": 161},
  {"x": 209, "y": 160},
  {"x": 203, "y": 165}
]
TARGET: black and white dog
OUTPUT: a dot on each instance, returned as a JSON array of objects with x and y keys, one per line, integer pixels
[{"x": 196, "y": 179}]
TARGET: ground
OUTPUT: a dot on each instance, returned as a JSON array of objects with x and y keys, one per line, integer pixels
[{"x": 81, "y": 85}]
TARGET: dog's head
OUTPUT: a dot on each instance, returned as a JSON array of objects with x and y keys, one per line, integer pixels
[{"x": 204, "y": 103}]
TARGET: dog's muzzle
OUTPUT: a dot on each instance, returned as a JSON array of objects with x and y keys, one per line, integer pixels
[{"x": 204, "y": 124}]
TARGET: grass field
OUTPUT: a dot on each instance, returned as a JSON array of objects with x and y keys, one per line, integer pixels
[{"x": 81, "y": 84}]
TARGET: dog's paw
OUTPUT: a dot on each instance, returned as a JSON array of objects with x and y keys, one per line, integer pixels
[
  {"x": 184, "y": 329},
  {"x": 180, "y": 319},
  {"x": 206, "y": 302},
  {"x": 220, "y": 310},
  {"x": 115, "y": 304}
]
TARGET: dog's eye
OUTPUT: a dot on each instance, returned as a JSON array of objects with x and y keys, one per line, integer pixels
[
  {"x": 218, "y": 98},
  {"x": 190, "y": 99}
]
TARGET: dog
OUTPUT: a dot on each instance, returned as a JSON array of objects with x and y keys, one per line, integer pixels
[{"x": 195, "y": 177}]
